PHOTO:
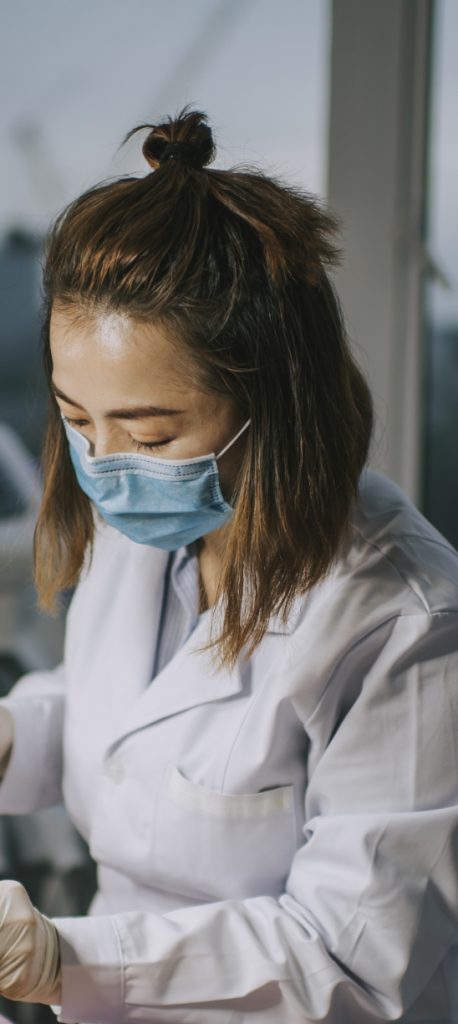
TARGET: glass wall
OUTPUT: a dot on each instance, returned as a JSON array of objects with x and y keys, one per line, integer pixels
[{"x": 440, "y": 465}]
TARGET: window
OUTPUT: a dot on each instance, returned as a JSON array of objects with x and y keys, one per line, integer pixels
[{"x": 440, "y": 415}]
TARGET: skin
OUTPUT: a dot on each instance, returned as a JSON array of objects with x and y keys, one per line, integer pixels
[{"x": 110, "y": 363}]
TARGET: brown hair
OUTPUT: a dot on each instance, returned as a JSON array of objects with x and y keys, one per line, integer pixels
[{"x": 233, "y": 264}]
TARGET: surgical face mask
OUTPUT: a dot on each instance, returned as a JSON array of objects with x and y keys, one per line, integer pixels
[{"x": 162, "y": 502}]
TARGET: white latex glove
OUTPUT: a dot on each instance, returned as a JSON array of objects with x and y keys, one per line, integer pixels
[
  {"x": 6, "y": 738},
  {"x": 29, "y": 949}
]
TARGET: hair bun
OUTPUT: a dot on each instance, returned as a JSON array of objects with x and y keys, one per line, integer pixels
[{"x": 185, "y": 138}]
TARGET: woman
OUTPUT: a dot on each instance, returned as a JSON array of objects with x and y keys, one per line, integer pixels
[{"x": 254, "y": 725}]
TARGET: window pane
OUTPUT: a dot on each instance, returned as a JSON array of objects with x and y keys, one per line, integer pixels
[{"x": 440, "y": 475}]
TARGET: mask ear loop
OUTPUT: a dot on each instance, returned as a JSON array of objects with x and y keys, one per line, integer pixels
[{"x": 234, "y": 439}]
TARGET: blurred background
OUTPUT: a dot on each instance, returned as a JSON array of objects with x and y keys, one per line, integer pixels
[{"x": 355, "y": 101}]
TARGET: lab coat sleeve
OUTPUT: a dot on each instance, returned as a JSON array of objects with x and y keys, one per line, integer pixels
[
  {"x": 369, "y": 908},
  {"x": 33, "y": 777}
]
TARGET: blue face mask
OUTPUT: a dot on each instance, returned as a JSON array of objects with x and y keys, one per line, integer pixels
[{"x": 163, "y": 502}]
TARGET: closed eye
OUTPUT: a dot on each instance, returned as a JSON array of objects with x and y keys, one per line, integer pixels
[
  {"x": 149, "y": 445},
  {"x": 75, "y": 423},
  {"x": 139, "y": 445}
]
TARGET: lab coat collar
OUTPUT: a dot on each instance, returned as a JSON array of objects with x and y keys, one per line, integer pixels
[
  {"x": 276, "y": 624},
  {"x": 190, "y": 678}
]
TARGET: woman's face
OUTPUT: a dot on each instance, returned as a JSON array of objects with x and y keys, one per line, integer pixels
[{"x": 121, "y": 384}]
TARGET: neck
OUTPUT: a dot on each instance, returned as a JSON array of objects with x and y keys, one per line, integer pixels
[
  {"x": 210, "y": 550},
  {"x": 212, "y": 546}
]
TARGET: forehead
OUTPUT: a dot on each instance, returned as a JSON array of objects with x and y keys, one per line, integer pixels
[
  {"x": 111, "y": 344},
  {"x": 110, "y": 334}
]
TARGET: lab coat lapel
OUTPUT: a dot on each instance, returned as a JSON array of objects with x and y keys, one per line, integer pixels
[
  {"x": 189, "y": 679},
  {"x": 276, "y": 625}
]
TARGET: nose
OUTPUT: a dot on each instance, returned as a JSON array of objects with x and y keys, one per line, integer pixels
[
  {"x": 102, "y": 445},
  {"x": 101, "y": 439},
  {"x": 98, "y": 448}
]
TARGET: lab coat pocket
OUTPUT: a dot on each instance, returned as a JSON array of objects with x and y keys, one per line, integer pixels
[{"x": 216, "y": 845}]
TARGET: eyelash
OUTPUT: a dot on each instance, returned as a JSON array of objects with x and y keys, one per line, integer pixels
[{"x": 139, "y": 445}]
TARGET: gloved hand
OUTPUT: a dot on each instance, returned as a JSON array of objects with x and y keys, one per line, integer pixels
[
  {"x": 29, "y": 949},
  {"x": 6, "y": 738}
]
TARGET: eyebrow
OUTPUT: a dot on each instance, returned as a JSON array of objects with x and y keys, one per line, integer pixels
[{"x": 133, "y": 413}]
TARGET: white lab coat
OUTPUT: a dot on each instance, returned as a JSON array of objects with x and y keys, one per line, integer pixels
[{"x": 277, "y": 843}]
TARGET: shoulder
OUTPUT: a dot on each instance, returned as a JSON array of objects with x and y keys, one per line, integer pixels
[
  {"x": 388, "y": 608},
  {"x": 393, "y": 542},
  {"x": 395, "y": 563}
]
